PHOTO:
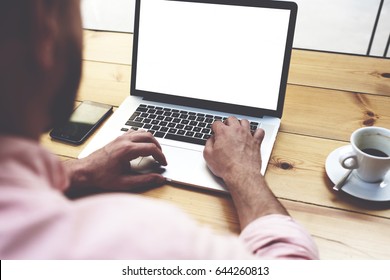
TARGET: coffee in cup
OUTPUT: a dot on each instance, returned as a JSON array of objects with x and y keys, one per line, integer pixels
[{"x": 370, "y": 154}]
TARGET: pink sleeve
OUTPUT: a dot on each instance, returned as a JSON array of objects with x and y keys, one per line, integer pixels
[
  {"x": 38, "y": 222},
  {"x": 120, "y": 226},
  {"x": 279, "y": 237}
]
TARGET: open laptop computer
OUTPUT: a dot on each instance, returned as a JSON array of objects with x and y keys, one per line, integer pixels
[{"x": 197, "y": 61}]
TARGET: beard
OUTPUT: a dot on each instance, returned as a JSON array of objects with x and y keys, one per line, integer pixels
[{"x": 62, "y": 104}]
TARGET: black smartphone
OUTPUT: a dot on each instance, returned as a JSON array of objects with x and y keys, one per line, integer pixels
[{"x": 84, "y": 120}]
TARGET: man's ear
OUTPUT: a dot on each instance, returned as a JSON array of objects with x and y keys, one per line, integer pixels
[{"x": 44, "y": 32}]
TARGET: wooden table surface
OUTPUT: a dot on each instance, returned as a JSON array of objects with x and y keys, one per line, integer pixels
[{"x": 328, "y": 97}]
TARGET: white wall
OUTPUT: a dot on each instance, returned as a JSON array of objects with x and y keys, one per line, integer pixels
[
  {"x": 342, "y": 25},
  {"x": 113, "y": 15},
  {"x": 335, "y": 25},
  {"x": 328, "y": 25}
]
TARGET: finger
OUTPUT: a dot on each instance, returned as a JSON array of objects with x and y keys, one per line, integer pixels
[
  {"x": 217, "y": 125},
  {"x": 259, "y": 134},
  {"x": 208, "y": 147},
  {"x": 144, "y": 137},
  {"x": 245, "y": 124},
  {"x": 146, "y": 149},
  {"x": 143, "y": 180},
  {"x": 132, "y": 131},
  {"x": 232, "y": 121}
]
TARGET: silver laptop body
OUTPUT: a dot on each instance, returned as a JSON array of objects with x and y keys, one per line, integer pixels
[{"x": 202, "y": 58}]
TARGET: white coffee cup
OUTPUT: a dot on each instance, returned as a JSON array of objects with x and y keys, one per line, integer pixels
[{"x": 370, "y": 154}]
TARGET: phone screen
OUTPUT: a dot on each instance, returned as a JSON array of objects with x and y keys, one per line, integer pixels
[{"x": 85, "y": 118}]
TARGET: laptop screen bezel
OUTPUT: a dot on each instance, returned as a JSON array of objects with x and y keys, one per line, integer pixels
[{"x": 213, "y": 105}]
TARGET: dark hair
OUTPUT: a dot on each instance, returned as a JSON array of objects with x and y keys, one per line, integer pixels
[{"x": 14, "y": 18}]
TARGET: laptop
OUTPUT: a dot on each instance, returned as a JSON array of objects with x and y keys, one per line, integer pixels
[{"x": 198, "y": 61}]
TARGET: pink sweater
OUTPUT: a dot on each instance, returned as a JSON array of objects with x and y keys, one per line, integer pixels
[{"x": 38, "y": 222}]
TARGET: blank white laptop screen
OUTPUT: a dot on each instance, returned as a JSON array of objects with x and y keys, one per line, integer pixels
[{"x": 223, "y": 53}]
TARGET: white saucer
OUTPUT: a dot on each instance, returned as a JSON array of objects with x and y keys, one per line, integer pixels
[{"x": 354, "y": 185}]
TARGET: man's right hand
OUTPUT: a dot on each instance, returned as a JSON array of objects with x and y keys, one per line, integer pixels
[
  {"x": 233, "y": 154},
  {"x": 233, "y": 150}
]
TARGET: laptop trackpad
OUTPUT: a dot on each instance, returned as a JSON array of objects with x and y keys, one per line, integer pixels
[{"x": 185, "y": 166}]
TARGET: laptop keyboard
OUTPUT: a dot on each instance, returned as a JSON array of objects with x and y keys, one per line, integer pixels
[{"x": 180, "y": 125}]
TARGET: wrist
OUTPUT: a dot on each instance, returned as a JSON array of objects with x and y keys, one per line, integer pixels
[
  {"x": 239, "y": 175},
  {"x": 78, "y": 173},
  {"x": 252, "y": 197}
]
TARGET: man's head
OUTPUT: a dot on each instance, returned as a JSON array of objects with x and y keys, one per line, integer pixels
[{"x": 40, "y": 64}]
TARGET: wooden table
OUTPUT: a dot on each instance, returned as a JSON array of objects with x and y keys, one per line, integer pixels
[{"x": 328, "y": 97}]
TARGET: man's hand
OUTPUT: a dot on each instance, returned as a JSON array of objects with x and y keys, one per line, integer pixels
[
  {"x": 109, "y": 168},
  {"x": 233, "y": 154},
  {"x": 233, "y": 150}
]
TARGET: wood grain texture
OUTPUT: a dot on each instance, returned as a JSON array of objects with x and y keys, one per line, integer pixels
[
  {"x": 108, "y": 47},
  {"x": 340, "y": 71},
  {"x": 104, "y": 82},
  {"x": 342, "y": 235},
  {"x": 332, "y": 114},
  {"x": 297, "y": 172}
]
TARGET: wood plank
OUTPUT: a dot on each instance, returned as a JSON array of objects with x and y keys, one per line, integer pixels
[
  {"x": 343, "y": 235},
  {"x": 340, "y": 71},
  {"x": 296, "y": 172},
  {"x": 108, "y": 47},
  {"x": 331, "y": 113},
  {"x": 104, "y": 82}
]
